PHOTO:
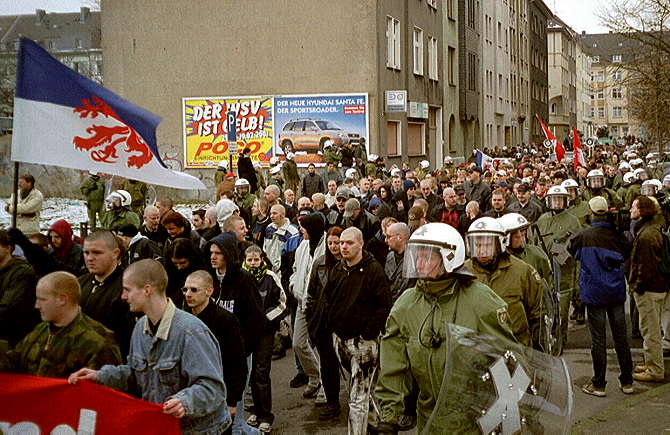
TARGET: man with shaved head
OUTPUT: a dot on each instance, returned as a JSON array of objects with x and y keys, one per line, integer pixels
[
  {"x": 276, "y": 235},
  {"x": 396, "y": 238},
  {"x": 66, "y": 339},
  {"x": 272, "y": 194},
  {"x": 359, "y": 301},
  {"x": 174, "y": 358},
  {"x": 151, "y": 227}
]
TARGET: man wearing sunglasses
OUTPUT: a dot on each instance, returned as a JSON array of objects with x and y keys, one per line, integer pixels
[{"x": 198, "y": 289}]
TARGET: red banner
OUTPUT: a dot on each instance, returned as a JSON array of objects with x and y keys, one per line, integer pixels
[{"x": 30, "y": 404}]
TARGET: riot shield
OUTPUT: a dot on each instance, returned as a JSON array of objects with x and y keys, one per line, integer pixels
[{"x": 489, "y": 386}]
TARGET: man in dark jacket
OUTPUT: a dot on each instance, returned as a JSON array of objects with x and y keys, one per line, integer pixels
[
  {"x": 198, "y": 290},
  {"x": 361, "y": 219},
  {"x": 312, "y": 182},
  {"x": 245, "y": 168},
  {"x": 602, "y": 252},
  {"x": 476, "y": 189},
  {"x": 649, "y": 286},
  {"x": 102, "y": 286},
  {"x": 17, "y": 293},
  {"x": 358, "y": 302},
  {"x": 235, "y": 288}
]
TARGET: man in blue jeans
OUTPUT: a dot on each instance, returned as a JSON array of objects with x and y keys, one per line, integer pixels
[{"x": 602, "y": 251}]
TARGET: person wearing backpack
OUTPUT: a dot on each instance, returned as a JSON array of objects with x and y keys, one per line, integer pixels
[{"x": 649, "y": 285}]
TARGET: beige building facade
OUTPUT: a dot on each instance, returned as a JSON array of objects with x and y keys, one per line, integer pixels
[{"x": 562, "y": 53}]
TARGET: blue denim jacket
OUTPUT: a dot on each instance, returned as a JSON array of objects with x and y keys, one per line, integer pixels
[{"x": 181, "y": 361}]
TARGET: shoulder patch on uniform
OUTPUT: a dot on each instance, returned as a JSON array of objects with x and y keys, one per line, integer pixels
[
  {"x": 536, "y": 276},
  {"x": 503, "y": 316}
]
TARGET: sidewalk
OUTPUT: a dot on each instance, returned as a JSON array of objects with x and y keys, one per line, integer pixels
[{"x": 648, "y": 412}]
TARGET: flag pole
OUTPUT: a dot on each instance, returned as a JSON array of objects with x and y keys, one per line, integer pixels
[{"x": 15, "y": 197}]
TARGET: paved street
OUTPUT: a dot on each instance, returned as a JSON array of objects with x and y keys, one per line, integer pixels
[{"x": 297, "y": 415}]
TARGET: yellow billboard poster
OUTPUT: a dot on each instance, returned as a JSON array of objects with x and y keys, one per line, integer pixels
[{"x": 208, "y": 138}]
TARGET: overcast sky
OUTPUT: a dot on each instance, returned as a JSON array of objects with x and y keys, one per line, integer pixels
[{"x": 579, "y": 14}]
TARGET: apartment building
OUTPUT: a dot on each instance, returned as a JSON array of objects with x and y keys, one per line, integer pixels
[
  {"x": 562, "y": 63},
  {"x": 584, "y": 90},
  {"x": 470, "y": 24},
  {"x": 454, "y": 145},
  {"x": 538, "y": 17},
  {"x": 609, "y": 109},
  {"x": 73, "y": 38}
]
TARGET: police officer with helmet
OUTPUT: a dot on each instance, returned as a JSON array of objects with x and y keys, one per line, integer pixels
[
  {"x": 514, "y": 280},
  {"x": 413, "y": 348}
]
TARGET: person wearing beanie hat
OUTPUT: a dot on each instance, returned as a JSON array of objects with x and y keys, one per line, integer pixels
[
  {"x": 602, "y": 252},
  {"x": 136, "y": 246},
  {"x": 312, "y": 229},
  {"x": 408, "y": 184},
  {"x": 64, "y": 248},
  {"x": 365, "y": 221}
]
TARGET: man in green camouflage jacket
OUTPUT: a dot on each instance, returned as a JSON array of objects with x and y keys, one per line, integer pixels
[{"x": 67, "y": 339}]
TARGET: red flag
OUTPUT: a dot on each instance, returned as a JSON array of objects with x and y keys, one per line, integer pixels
[
  {"x": 578, "y": 159},
  {"x": 38, "y": 405},
  {"x": 555, "y": 144}
]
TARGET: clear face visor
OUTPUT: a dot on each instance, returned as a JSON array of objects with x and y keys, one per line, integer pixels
[
  {"x": 643, "y": 176},
  {"x": 596, "y": 182},
  {"x": 481, "y": 245},
  {"x": 242, "y": 190},
  {"x": 423, "y": 261},
  {"x": 112, "y": 201},
  {"x": 648, "y": 190},
  {"x": 557, "y": 202}
]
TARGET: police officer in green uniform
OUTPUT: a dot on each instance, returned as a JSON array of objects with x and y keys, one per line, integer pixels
[
  {"x": 624, "y": 168},
  {"x": 595, "y": 186},
  {"x": 244, "y": 199},
  {"x": 290, "y": 171},
  {"x": 578, "y": 206},
  {"x": 413, "y": 348},
  {"x": 622, "y": 191},
  {"x": 634, "y": 189},
  {"x": 514, "y": 280},
  {"x": 138, "y": 193},
  {"x": 117, "y": 213},
  {"x": 93, "y": 190},
  {"x": 555, "y": 227}
]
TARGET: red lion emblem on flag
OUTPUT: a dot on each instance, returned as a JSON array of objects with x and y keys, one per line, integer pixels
[{"x": 110, "y": 137}]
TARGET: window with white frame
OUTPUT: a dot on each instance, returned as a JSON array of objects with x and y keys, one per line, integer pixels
[
  {"x": 432, "y": 58},
  {"x": 617, "y": 112},
  {"x": 617, "y": 75},
  {"x": 601, "y": 112},
  {"x": 392, "y": 43},
  {"x": 418, "y": 51},
  {"x": 616, "y": 58},
  {"x": 601, "y": 95},
  {"x": 617, "y": 93},
  {"x": 601, "y": 76}
]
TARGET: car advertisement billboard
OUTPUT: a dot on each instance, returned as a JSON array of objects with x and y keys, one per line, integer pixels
[
  {"x": 206, "y": 132},
  {"x": 305, "y": 123}
]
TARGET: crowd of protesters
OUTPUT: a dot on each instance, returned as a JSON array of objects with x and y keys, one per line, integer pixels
[{"x": 190, "y": 311}]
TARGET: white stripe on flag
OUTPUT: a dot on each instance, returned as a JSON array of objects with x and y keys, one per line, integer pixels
[{"x": 43, "y": 133}]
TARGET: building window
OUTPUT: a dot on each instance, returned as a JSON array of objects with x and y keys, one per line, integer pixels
[
  {"x": 616, "y": 58},
  {"x": 449, "y": 4},
  {"x": 432, "y": 58},
  {"x": 615, "y": 131},
  {"x": 593, "y": 112},
  {"x": 601, "y": 76},
  {"x": 392, "y": 43},
  {"x": 472, "y": 72},
  {"x": 452, "y": 66},
  {"x": 393, "y": 138},
  {"x": 617, "y": 112},
  {"x": 432, "y": 3},
  {"x": 617, "y": 76},
  {"x": 601, "y": 95},
  {"x": 601, "y": 112},
  {"x": 553, "y": 108},
  {"x": 418, "y": 51},
  {"x": 78, "y": 43},
  {"x": 416, "y": 138},
  {"x": 472, "y": 14},
  {"x": 617, "y": 93}
]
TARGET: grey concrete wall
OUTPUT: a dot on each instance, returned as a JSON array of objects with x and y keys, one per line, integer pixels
[{"x": 157, "y": 52}]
